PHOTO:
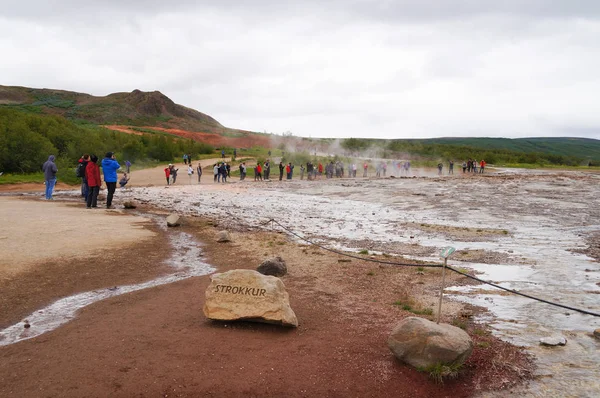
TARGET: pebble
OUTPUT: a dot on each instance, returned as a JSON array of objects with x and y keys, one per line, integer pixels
[
  {"x": 597, "y": 333},
  {"x": 553, "y": 341}
]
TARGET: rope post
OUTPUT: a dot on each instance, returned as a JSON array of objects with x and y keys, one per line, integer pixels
[
  {"x": 446, "y": 252},
  {"x": 442, "y": 290}
]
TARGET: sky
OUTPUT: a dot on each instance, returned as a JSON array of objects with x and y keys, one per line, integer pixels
[{"x": 318, "y": 68}]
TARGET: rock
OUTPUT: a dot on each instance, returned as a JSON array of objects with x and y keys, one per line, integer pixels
[
  {"x": 422, "y": 343},
  {"x": 248, "y": 295},
  {"x": 223, "y": 237},
  {"x": 26, "y": 324},
  {"x": 130, "y": 204},
  {"x": 173, "y": 220},
  {"x": 597, "y": 333},
  {"x": 274, "y": 266},
  {"x": 553, "y": 341}
]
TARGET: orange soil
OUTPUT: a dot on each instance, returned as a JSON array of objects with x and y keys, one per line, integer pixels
[{"x": 246, "y": 140}]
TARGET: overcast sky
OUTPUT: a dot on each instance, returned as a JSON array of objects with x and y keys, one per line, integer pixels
[{"x": 341, "y": 68}]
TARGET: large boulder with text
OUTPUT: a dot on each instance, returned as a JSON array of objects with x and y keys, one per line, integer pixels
[
  {"x": 422, "y": 343},
  {"x": 248, "y": 295}
]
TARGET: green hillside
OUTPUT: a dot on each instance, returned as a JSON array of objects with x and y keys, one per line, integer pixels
[
  {"x": 136, "y": 108},
  {"x": 26, "y": 141}
]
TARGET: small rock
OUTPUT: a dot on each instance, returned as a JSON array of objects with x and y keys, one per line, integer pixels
[
  {"x": 553, "y": 341},
  {"x": 597, "y": 333},
  {"x": 223, "y": 237},
  {"x": 26, "y": 325},
  {"x": 273, "y": 266},
  {"x": 173, "y": 220},
  {"x": 130, "y": 204}
]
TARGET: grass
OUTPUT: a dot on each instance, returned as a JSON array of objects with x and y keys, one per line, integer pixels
[
  {"x": 364, "y": 251},
  {"x": 22, "y": 178},
  {"x": 483, "y": 344},
  {"x": 370, "y": 273},
  {"x": 440, "y": 371},
  {"x": 460, "y": 324},
  {"x": 409, "y": 307}
]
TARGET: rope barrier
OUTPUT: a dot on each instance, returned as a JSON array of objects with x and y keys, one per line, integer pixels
[{"x": 586, "y": 312}]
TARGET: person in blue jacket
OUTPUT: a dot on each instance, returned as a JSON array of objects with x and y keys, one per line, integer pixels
[{"x": 109, "y": 169}]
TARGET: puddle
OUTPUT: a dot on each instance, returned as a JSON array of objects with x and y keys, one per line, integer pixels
[{"x": 186, "y": 262}]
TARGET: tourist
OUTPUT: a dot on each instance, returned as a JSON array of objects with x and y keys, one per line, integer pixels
[
  {"x": 223, "y": 172},
  {"x": 259, "y": 171},
  {"x": 365, "y": 169},
  {"x": 84, "y": 185},
  {"x": 185, "y": 158},
  {"x": 451, "y": 167},
  {"x": 474, "y": 166},
  {"x": 440, "y": 167},
  {"x": 302, "y": 171},
  {"x": 222, "y": 153},
  {"x": 124, "y": 180},
  {"x": 109, "y": 169},
  {"x": 127, "y": 165},
  {"x": 49, "y": 168},
  {"x": 228, "y": 169},
  {"x": 464, "y": 166},
  {"x": 216, "y": 172},
  {"x": 190, "y": 172},
  {"x": 481, "y": 166},
  {"x": 168, "y": 174},
  {"x": 354, "y": 170},
  {"x": 267, "y": 172},
  {"x": 199, "y": 172},
  {"x": 173, "y": 174},
  {"x": 281, "y": 167},
  {"x": 92, "y": 175}
]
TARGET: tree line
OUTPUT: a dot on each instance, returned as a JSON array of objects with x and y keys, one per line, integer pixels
[
  {"x": 443, "y": 151},
  {"x": 26, "y": 141}
]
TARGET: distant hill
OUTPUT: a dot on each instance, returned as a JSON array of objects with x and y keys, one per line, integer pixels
[{"x": 136, "y": 108}]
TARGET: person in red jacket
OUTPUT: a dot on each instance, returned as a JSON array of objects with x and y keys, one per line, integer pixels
[
  {"x": 259, "y": 171},
  {"x": 482, "y": 166},
  {"x": 168, "y": 174},
  {"x": 92, "y": 175}
]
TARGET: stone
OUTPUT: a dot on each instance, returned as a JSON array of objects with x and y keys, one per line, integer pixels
[
  {"x": 273, "y": 266},
  {"x": 248, "y": 295},
  {"x": 173, "y": 220},
  {"x": 130, "y": 204},
  {"x": 597, "y": 333},
  {"x": 422, "y": 343},
  {"x": 552, "y": 341},
  {"x": 223, "y": 237}
]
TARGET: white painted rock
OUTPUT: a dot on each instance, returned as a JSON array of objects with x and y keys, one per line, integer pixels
[
  {"x": 248, "y": 295},
  {"x": 173, "y": 220},
  {"x": 553, "y": 341},
  {"x": 422, "y": 343},
  {"x": 223, "y": 236}
]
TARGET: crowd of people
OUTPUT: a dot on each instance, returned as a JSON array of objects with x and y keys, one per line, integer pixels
[{"x": 89, "y": 171}]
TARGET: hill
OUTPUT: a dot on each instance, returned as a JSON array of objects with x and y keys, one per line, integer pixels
[{"x": 136, "y": 108}]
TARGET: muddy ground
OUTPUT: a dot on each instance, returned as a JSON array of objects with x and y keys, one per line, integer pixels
[{"x": 157, "y": 342}]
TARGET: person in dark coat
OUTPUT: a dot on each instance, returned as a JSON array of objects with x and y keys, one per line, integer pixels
[{"x": 49, "y": 168}]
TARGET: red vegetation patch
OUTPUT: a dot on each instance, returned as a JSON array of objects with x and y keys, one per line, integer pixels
[{"x": 241, "y": 140}]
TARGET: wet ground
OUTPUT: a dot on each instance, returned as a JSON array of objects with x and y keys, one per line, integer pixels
[{"x": 523, "y": 230}]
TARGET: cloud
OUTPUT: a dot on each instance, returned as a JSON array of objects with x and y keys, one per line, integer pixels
[{"x": 330, "y": 68}]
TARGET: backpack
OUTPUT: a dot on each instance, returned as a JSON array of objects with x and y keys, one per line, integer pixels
[{"x": 80, "y": 170}]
